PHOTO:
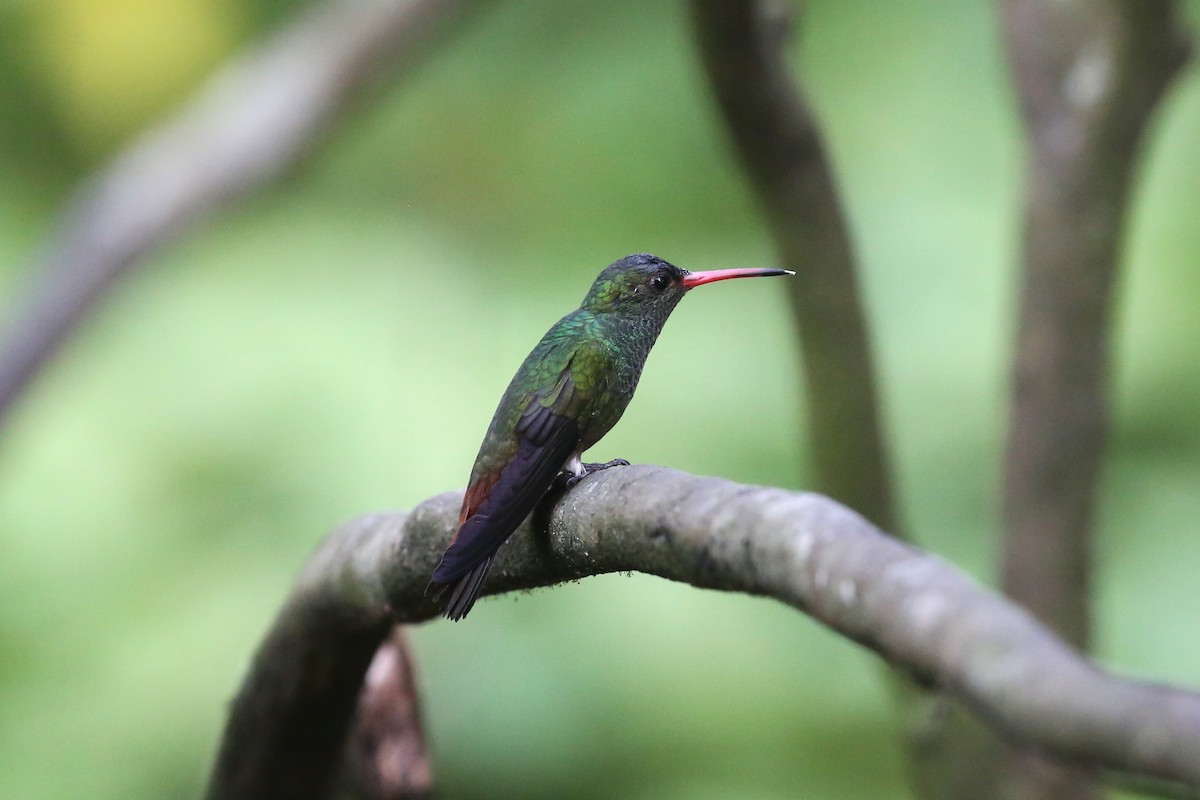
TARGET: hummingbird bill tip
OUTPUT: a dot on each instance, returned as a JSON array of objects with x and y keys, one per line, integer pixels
[{"x": 693, "y": 279}]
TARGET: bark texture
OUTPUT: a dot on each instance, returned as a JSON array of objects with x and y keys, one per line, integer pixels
[{"x": 810, "y": 552}]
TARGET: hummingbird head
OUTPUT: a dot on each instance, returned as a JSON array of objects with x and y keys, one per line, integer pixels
[
  {"x": 637, "y": 284},
  {"x": 642, "y": 284}
]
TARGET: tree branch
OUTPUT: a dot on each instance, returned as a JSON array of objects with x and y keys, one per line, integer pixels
[
  {"x": 255, "y": 119},
  {"x": 386, "y": 757},
  {"x": 1089, "y": 76},
  {"x": 803, "y": 549},
  {"x": 289, "y": 724},
  {"x": 742, "y": 46}
]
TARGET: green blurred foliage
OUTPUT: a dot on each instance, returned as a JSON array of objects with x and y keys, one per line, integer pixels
[{"x": 337, "y": 345}]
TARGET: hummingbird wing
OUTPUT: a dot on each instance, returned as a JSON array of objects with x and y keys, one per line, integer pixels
[{"x": 547, "y": 433}]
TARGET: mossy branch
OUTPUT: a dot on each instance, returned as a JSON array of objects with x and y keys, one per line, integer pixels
[{"x": 916, "y": 611}]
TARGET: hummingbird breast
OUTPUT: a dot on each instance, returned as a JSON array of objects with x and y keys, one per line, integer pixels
[{"x": 625, "y": 344}]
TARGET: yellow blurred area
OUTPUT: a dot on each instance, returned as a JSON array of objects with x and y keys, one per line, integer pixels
[{"x": 116, "y": 63}]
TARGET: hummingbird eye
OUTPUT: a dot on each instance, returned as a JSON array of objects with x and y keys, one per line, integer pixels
[{"x": 660, "y": 282}]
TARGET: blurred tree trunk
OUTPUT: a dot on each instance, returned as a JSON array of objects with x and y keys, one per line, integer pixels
[{"x": 1089, "y": 75}]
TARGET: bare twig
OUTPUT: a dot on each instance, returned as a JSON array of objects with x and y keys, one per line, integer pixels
[
  {"x": 742, "y": 48},
  {"x": 802, "y": 549},
  {"x": 1089, "y": 76},
  {"x": 254, "y": 120}
]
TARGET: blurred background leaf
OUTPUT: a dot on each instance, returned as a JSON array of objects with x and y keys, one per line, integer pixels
[{"x": 337, "y": 346}]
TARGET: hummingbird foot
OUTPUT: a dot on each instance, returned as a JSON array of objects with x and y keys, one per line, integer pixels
[{"x": 584, "y": 469}]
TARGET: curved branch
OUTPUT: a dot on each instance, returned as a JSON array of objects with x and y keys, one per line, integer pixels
[
  {"x": 254, "y": 120},
  {"x": 803, "y": 549}
]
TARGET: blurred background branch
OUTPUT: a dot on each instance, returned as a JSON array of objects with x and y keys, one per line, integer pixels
[
  {"x": 742, "y": 48},
  {"x": 258, "y": 117},
  {"x": 386, "y": 755},
  {"x": 803, "y": 549}
]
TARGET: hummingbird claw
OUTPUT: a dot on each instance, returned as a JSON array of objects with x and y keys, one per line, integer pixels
[{"x": 570, "y": 479}]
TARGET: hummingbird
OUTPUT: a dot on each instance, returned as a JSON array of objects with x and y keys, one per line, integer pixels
[{"x": 570, "y": 391}]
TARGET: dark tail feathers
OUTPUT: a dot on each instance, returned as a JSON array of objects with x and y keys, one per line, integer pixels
[{"x": 464, "y": 591}]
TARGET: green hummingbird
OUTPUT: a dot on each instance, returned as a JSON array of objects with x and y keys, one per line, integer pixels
[{"x": 566, "y": 395}]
